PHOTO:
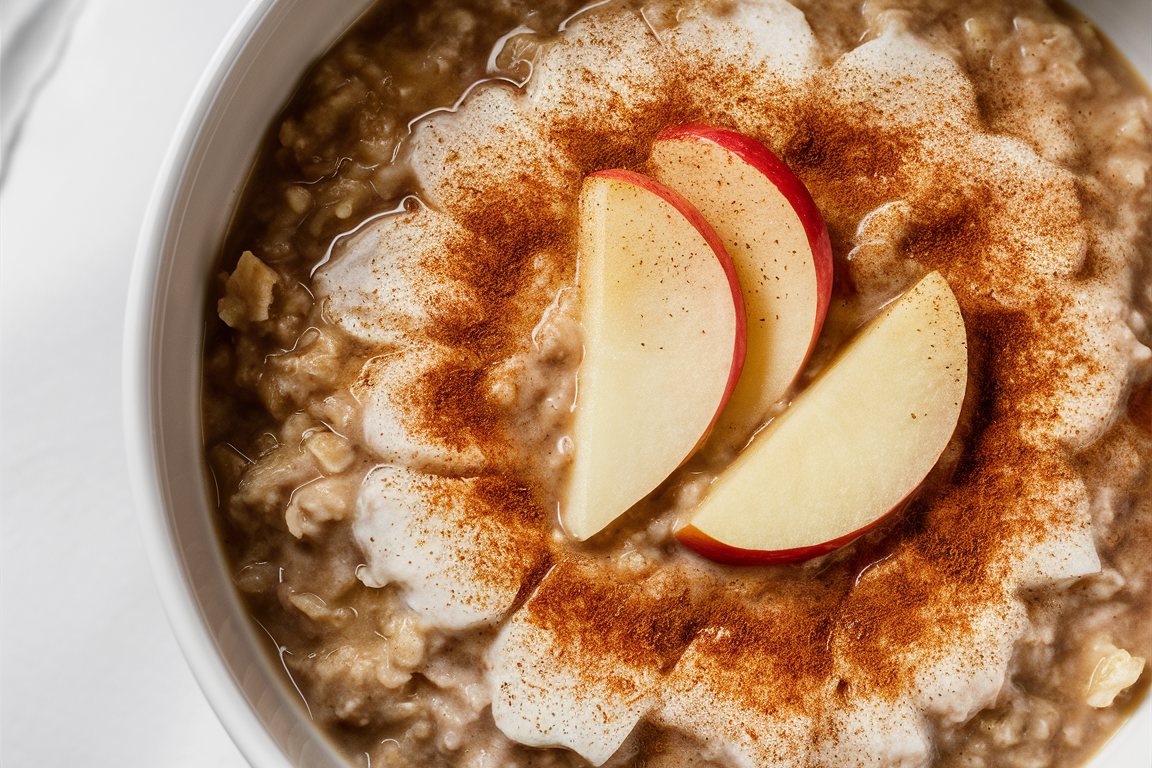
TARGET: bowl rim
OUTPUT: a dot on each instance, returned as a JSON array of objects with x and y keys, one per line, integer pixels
[{"x": 143, "y": 427}]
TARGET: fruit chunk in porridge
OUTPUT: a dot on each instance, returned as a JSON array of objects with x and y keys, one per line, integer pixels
[{"x": 389, "y": 399}]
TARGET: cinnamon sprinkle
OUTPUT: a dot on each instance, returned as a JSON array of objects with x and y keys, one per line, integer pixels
[
  {"x": 944, "y": 556},
  {"x": 953, "y": 544},
  {"x": 756, "y": 645}
]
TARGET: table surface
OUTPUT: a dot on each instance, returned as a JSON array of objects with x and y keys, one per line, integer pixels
[{"x": 90, "y": 673}]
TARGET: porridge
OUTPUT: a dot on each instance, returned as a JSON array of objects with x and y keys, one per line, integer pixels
[{"x": 389, "y": 391}]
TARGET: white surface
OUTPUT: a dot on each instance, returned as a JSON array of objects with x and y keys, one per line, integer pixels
[
  {"x": 33, "y": 34},
  {"x": 251, "y": 76},
  {"x": 90, "y": 673}
]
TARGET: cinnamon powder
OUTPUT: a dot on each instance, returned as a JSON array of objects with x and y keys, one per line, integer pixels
[{"x": 949, "y": 548}]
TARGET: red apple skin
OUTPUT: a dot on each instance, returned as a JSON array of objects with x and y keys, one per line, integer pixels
[
  {"x": 760, "y": 157},
  {"x": 725, "y": 554},
  {"x": 677, "y": 201}
]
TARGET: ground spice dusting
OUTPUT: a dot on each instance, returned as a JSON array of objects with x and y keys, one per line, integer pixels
[
  {"x": 641, "y": 623},
  {"x": 784, "y": 638},
  {"x": 951, "y": 542},
  {"x": 503, "y": 515},
  {"x": 597, "y": 150},
  {"x": 851, "y": 162},
  {"x": 954, "y": 231},
  {"x": 448, "y": 405},
  {"x": 865, "y": 621}
]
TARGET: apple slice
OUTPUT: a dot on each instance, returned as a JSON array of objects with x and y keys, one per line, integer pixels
[
  {"x": 852, "y": 446},
  {"x": 777, "y": 239},
  {"x": 663, "y": 343}
]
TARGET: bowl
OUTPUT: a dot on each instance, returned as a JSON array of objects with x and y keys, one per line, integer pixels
[{"x": 248, "y": 81}]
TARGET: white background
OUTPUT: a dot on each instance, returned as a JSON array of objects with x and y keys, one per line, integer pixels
[{"x": 90, "y": 674}]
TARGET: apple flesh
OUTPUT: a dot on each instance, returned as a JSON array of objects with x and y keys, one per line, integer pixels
[
  {"x": 779, "y": 243},
  {"x": 664, "y": 339},
  {"x": 851, "y": 448}
]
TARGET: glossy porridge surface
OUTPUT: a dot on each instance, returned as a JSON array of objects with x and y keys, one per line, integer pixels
[{"x": 388, "y": 396}]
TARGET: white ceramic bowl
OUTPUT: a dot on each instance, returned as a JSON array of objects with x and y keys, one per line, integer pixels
[{"x": 248, "y": 81}]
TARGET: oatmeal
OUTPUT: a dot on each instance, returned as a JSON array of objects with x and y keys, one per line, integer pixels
[{"x": 389, "y": 391}]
